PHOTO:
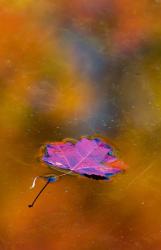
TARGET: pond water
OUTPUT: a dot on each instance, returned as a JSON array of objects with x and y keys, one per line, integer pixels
[{"x": 78, "y": 68}]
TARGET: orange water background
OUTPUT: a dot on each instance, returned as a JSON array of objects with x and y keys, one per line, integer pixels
[{"x": 72, "y": 68}]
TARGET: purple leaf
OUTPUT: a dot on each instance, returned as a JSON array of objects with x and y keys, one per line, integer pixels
[{"x": 89, "y": 157}]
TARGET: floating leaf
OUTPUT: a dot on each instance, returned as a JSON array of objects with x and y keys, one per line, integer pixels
[
  {"x": 92, "y": 158},
  {"x": 89, "y": 157}
]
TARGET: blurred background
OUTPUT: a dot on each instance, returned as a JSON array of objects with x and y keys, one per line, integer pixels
[{"x": 73, "y": 68}]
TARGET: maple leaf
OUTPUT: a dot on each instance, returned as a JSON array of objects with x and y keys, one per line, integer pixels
[{"x": 89, "y": 157}]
